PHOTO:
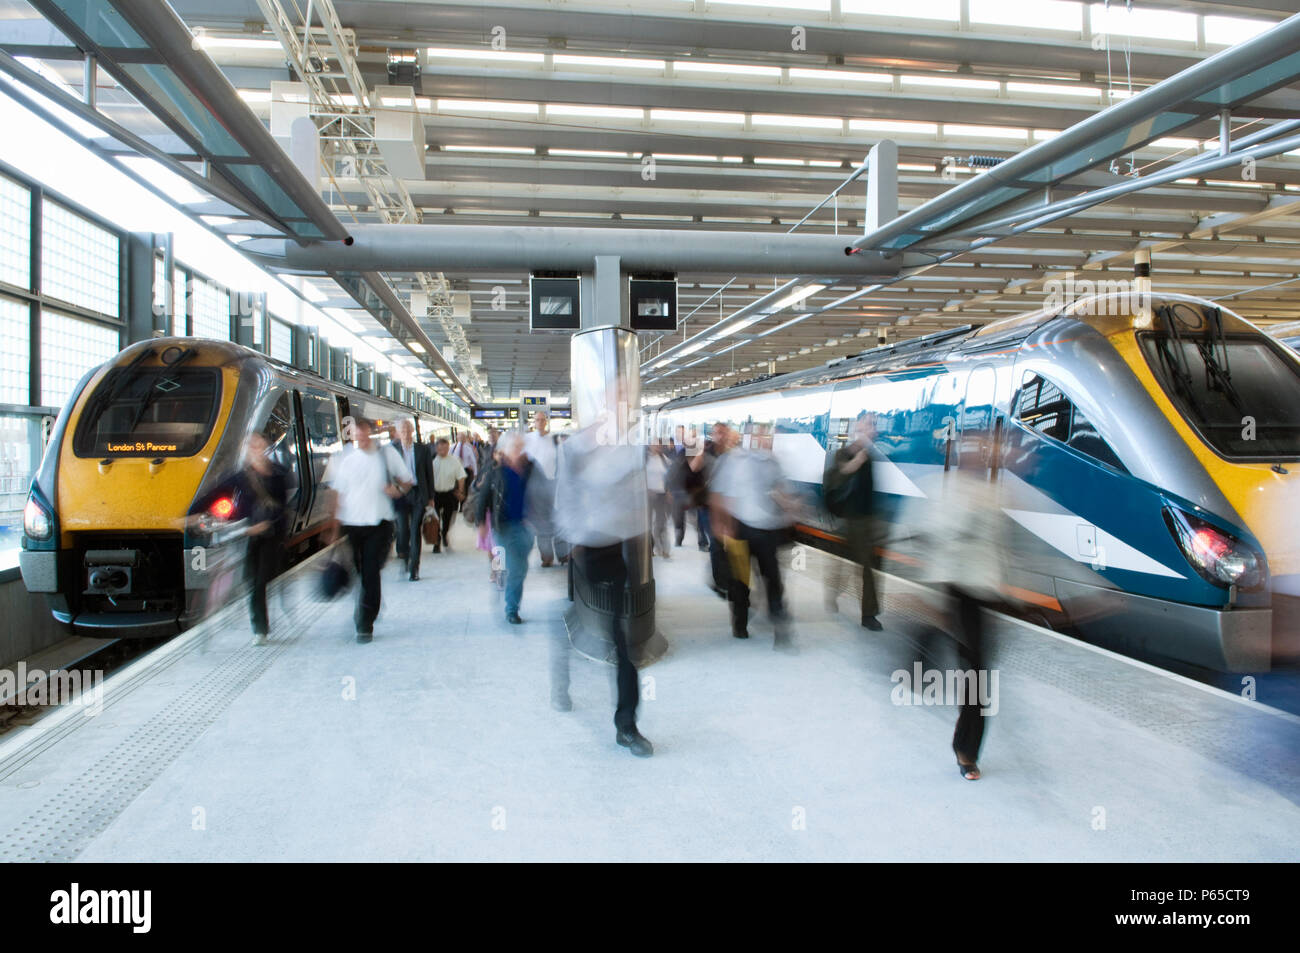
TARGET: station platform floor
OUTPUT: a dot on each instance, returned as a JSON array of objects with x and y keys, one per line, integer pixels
[{"x": 438, "y": 742}]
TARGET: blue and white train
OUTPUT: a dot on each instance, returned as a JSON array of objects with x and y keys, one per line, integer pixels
[{"x": 1147, "y": 464}]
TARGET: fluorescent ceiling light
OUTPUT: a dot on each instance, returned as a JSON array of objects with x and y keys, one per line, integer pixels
[
  {"x": 891, "y": 125},
  {"x": 802, "y": 122},
  {"x": 511, "y": 150},
  {"x": 445, "y": 53},
  {"x": 841, "y": 76},
  {"x": 951, "y": 82},
  {"x": 611, "y": 62},
  {"x": 690, "y": 349},
  {"x": 594, "y": 112},
  {"x": 727, "y": 69},
  {"x": 1053, "y": 89},
  {"x": 984, "y": 132},
  {"x": 695, "y": 115},
  {"x": 204, "y": 41},
  {"x": 794, "y": 297},
  {"x": 486, "y": 105}
]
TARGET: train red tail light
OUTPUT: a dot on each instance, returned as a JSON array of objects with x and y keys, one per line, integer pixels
[
  {"x": 222, "y": 508},
  {"x": 1217, "y": 556}
]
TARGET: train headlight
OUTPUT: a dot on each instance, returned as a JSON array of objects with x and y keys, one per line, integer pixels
[
  {"x": 36, "y": 521},
  {"x": 1219, "y": 557}
]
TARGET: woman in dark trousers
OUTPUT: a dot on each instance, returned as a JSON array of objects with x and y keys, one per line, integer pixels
[
  {"x": 259, "y": 494},
  {"x": 849, "y": 490}
]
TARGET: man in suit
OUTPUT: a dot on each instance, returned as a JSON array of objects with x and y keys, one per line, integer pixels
[{"x": 410, "y": 506}]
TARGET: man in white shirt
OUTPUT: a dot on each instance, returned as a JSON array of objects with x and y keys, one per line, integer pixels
[
  {"x": 752, "y": 504},
  {"x": 465, "y": 451},
  {"x": 365, "y": 479},
  {"x": 540, "y": 446},
  {"x": 449, "y": 478}
]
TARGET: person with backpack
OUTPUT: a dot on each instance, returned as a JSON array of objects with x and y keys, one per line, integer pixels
[
  {"x": 848, "y": 491},
  {"x": 365, "y": 479}
]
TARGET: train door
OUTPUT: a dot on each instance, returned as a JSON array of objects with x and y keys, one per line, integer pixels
[
  {"x": 321, "y": 422},
  {"x": 979, "y": 420},
  {"x": 282, "y": 431}
]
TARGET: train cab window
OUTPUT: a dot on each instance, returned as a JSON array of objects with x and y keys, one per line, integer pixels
[
  {"x": 1043, "y": 406},
  {"x": 149, "y": 411}
]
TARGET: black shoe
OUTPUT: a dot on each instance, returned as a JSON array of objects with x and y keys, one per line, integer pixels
[
  {"x": 704, "y": 547},
  {"x": 414, "y": 577},
  {"x": 635, "y": 742},
  {"x": 872, "y": 623},
  {"x": 740, "y": 633},
  {"x": 366, "y": 636},
  {"x": 402, "y": 557},
  {"x": 437, "y": 549},
  {"x": 718, "y": 591},
  {"x": 513, "y": 618},
  {"x": 562, "y": 702}
]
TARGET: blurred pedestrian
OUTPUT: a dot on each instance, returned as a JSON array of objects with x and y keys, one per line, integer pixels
[
  {"x": 449, "y": 479},
  {"x": 503, "y": 500},
  {"x": 752, "y": 505},
  {"x": 660, "y": 502},
  {"x": 409, "y": 507},
  {"x": 365, "y": 479},
  {"x": 848, "y": 490},
  {"x": 467, "y": 454},
  {"x": 703, "y": 468},
  {"x": 964, "y": 560},
  {"x": 541, "y": 446},
  {"x": 258, "y": 494},
  {"x": 602, "y": 512}
]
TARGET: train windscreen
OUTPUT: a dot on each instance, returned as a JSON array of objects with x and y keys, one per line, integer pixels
[
  {"x": 149, "y": 411},
  {"x": 1239, "y": 391}
]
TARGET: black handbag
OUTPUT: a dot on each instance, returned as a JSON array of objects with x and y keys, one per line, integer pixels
[{"x": 335, "y": 578}]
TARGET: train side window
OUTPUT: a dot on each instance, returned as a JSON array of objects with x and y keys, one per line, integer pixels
[{"x": 1043, "y": 406}]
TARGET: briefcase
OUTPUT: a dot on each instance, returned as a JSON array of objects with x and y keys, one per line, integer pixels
[{"x": 430, "y": 528}]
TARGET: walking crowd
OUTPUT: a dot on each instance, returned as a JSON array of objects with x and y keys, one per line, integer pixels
[{"x": 595, "y": 503}]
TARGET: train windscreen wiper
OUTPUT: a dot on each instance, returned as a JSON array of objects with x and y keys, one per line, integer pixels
[
  {"x": 1217, "y": 376},
  {"x": 148, "y": 400}
]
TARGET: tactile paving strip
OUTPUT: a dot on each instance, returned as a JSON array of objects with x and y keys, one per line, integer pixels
[{"x": 63, "y": 827}]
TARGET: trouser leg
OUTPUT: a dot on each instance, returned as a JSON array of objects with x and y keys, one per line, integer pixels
[
  {"x": 369, "y": 544},
  {"x": 969, "y": 734},
  {"x": 606, "y": 564},
  {"x": 403, "y": 529},
  {"x": 764, "y": 546},
  {"x": 445, "y": 504},
  {"x": 864, "y": 545},
  {"x": 260, "y": 564},
  {"x": 413, "y": 518},
  {"x": 703, "y": 531},
  {"x": 518, "y": 543},
  {"x": 679, "y": 517},
  {"x": 546, "y": 547}
]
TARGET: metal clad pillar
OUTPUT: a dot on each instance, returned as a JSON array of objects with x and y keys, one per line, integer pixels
[{"x": 602, "y": 473}]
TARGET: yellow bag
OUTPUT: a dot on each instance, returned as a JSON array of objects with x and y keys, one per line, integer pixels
[{"x": 738, "y": 558}]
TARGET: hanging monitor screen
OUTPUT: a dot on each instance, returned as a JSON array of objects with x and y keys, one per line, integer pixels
[
  {"x": 555, "y": 304},
  {"x": 652, "y": 303}
]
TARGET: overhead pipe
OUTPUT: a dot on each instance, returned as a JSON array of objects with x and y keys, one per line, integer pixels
[{"x": 494, "y": 247}]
